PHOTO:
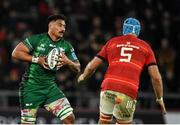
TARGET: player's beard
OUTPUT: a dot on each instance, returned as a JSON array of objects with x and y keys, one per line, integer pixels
[{"x": 60, "y": 34}]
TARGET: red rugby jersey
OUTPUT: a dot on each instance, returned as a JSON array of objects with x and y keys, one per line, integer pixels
[{"x": 126, "y": 55}]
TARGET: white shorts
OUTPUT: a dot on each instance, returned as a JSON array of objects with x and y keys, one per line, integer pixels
[
  {"x": 119, "y": 105},
  {"x": 61, "y": 108}
]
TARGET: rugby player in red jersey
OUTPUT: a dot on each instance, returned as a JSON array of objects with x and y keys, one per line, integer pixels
[{"x": 126, "y": 55}]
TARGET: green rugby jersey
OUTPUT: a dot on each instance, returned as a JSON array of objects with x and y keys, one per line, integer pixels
[{"x": 41, "y": 45}]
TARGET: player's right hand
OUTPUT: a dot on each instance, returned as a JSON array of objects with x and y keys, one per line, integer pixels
[
  {"x": 43, "y": 63},
  {"x": 162, "y": 105}
]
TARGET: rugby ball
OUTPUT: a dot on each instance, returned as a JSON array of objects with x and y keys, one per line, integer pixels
[{"x": 52, "y": 58}]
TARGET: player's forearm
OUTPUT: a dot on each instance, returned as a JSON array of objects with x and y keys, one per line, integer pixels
[
  {"x": 156, "y": 80},
  {"x": 23, "y": 56},
  {"x": 74, "y": 66},
  {"x": 158, "y": 87},
  {"x": 89, "y": 70},
  {"x": 91, "y": 67}
]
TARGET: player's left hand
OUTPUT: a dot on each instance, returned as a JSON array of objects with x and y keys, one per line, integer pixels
[
  {"x": 162, "y": 105},
  {"x": 62, "y": 60},
  {"x": 80, "y": 78},
  {"x": 42, "y": 62}
]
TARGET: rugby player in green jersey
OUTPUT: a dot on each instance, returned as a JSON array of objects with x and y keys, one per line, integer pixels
[{"x": 38, "y": 87}]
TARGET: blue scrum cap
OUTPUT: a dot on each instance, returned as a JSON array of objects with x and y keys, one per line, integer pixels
[{"x": 131, "y": 25}]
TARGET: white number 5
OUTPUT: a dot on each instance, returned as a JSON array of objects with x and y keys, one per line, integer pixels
[{"x": 126, "y": 55}]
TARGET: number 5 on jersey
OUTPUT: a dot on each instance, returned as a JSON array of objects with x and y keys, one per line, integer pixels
[{"x": 125, "y": 54}]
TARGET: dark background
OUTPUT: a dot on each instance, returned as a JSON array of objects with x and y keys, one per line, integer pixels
[{"x": 90, "y": 23}]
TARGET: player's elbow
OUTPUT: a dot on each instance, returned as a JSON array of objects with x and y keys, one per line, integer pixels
[
  {"x": 78, "y": 68},
  {"x": 157, "y": 79},
  {"x": 92, "y": 66},
  {"x": 14, "y": 55}
]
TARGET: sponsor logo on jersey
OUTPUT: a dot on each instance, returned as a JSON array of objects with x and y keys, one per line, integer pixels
[
  {"x": 128, "y": 45},
  {"x": 41, "y": 48},
  {"x": 72, "y": 49},
  {"x": 128, "y": 42},
  {"x": 28, "y": 104},
  {"x": 74, "y": 56},
  {"x": 42, "y": 45},
  {"x": 51, "y": 45}
]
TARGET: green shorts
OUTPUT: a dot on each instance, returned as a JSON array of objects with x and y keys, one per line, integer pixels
[{"x": 34, "y": 96}]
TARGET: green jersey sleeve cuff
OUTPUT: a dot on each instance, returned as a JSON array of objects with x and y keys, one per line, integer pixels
[{"x": 28, "y": 44}]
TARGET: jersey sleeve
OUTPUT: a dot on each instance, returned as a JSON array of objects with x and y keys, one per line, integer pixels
[
  {"x": 102, "y": 54},
  {"x": 31, "y": 42},
  {"x": 71, "y": 53},
  {"x": 151, "y": 60}
]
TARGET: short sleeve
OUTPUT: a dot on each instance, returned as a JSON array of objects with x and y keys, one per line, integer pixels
[
  {"x": 151, "y": 60},
  {"x": 31, "y": 42},
  {"x": 102, "y": 54},
  {"x": 71, "y": 53}
]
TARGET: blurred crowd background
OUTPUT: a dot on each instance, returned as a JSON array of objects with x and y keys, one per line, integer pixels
[{"x": 90, "y": 23}]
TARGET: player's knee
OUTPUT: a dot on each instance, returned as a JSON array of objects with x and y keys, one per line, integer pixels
[
  {"x": 28, "y": 116},
  {"x": 70, "y": 119},
  {"x": 28, "y": 120},
  {"x": 105, "y": 119}
]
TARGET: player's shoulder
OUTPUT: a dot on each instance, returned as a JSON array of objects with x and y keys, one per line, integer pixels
[
  {"x": 38, "y": 36},
  {"x": 121, "y": 38},
  {"x": 42, "y": 35},
  {"x": 65, "y": 42},
  {"x": 144, "y": 43},
  {"x": 116, "y": 38},
  {"x": 113, "y": 40}
]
